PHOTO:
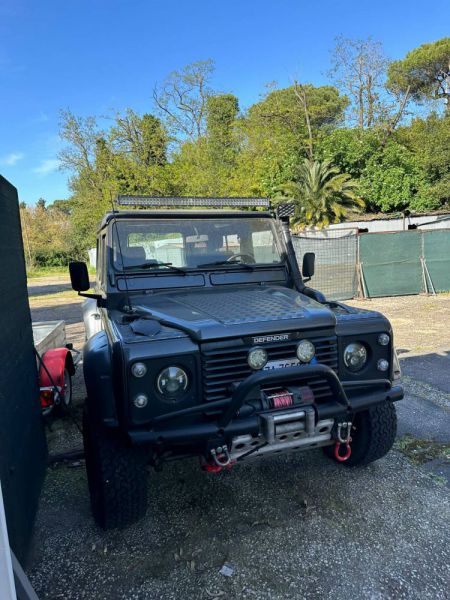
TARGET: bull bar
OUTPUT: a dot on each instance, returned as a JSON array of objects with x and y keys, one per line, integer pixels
[{"x": 380, "y": 390}]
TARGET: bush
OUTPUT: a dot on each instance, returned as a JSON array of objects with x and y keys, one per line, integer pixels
[{"x": 52, "y": 258}]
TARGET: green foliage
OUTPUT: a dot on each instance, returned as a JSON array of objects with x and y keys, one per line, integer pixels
[
  {"x": 47, "y": 235},
  {"x": 321, "y": 194},
  {"x": 222, "y": 111},
  {"x": 394, "y": 180},
  {"x": 429, "y": 141},
  {"x": 274, "y": 133},
  {"x": 143, "y": 139},
  {"x": 425, "y": 72},
  {"x": 130, "y": 158},
  {"x": 350, "y": 149}
]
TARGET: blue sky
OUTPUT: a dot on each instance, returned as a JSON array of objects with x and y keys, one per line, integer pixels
[{"x": 98, "y": 56}]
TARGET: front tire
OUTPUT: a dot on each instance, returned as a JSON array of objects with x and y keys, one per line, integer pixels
[
  {"x": 117, "y": 477},
  {"x": 373, "y": 435}
]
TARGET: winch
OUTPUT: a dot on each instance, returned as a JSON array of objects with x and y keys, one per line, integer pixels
[{"x": 276, "y": 397}]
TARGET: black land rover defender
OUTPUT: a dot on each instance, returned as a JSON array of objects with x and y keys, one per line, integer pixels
[{"x": 203, "y": 340}]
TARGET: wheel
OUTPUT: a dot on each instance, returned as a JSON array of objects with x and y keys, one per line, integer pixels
[
  {"x": 372, "y": 437},
  {"x": 117, "y": 477},
  {"x": 64, "y": 406}
]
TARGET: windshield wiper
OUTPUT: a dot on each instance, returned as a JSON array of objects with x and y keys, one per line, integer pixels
[
  {"x": 155, "y": 265},
  {"x": 227, "y": 263}
]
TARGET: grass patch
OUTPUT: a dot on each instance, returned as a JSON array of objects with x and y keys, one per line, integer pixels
[
  {"x": 49, "y": 271},
  {"x": 58, "y": 296},
  {"x": 46, "y": 271},
  {"x": 421, "y": 451}
]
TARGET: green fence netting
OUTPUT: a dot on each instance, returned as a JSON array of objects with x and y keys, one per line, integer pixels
[
  {"x": 436, "y": 251},
  {"x": 377, "y": 264},
  {"x": 391, "y": 263},
  {"x": 336, "y": 260}
]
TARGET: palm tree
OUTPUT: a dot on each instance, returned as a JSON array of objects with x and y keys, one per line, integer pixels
[{"x": 321, "y": 195}]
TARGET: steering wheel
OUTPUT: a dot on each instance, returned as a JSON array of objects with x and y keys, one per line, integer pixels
[{"x": 247, "y": 258}]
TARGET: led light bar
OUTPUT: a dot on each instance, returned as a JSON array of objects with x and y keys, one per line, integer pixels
[{"x": 160, "y": 201}]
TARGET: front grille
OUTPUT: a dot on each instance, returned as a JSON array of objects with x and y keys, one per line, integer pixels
[{"x": 224, "y": 366}]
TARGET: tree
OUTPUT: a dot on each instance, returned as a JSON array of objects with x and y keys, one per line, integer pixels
[
  {"x": 321, "y": 195},
  {"x": 144, "y": 139},
  {"x": 81, "y": 135},
  {"x": 64, "y": 206},
  {"x": 129, "y": 158},
  {"x": 359, "y": 68},
  {"x": 425, "y": 72},
  {"x": 182, "y": 98},
  {"x": 205, "y": 166},
  {"x": 46, "y": 235},
  {"x": 222, "y": 111},
  {"x": 275, "y": 134}
]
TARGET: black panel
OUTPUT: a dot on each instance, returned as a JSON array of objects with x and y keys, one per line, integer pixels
[{"x": 22, "y": 441}]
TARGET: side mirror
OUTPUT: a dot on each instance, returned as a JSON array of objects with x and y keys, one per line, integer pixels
[
  {"x": 79, "y": 276},
  {"x": 309, "y": 259}
]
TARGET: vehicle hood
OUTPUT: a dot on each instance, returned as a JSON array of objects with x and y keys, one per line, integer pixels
[{"x": 217, "y": 313}]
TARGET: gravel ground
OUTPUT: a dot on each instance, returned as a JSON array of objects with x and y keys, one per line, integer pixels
[{"x": 295, "y": 526}]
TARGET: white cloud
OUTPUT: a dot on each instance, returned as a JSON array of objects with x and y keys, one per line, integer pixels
[
  {"x": 11, "y": 159},
  {"x": 47, "y": 166},
  {"x": 42, "y": 117}
]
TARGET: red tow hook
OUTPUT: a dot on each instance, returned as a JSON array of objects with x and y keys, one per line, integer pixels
[
  {"x": 337, "y": 451},
  {"x": 343, "y": 440},
  {"x": 220, "y": 459}
]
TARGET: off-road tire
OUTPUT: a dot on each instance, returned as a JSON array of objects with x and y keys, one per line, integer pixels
[
  {"x": 373, "y": 435},
  {"x": 117, "y": 477}
]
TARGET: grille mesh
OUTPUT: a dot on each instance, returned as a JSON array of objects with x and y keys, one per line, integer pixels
[{"x": 223, "y": 366}]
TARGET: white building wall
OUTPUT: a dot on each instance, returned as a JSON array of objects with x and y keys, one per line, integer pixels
[{"x": 433, "y": 222}]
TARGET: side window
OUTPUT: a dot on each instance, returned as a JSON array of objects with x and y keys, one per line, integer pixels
[
  {"x": 104, "y": 254},
  {"x": 264, "y": 247},
  {"x": 98, "y": 262}
]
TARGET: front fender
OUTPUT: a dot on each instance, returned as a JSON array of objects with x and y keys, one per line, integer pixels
[
  {"x": 91, "y": 317},
  {"x": 99, "y": 380}
]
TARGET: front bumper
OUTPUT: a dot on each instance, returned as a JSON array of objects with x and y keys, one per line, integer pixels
[{"x": 181, "y": 427}]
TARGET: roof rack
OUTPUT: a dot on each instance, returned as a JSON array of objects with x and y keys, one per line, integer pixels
[{"x": 180, "y": 201}]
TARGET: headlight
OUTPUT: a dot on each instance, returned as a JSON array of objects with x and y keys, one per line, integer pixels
[
  {"x": 305, "y": 351},
  {"x": 139, "y": 369},
  {"x": 172, "y": 382},
  {"x": 257, "y": 358},
  {"x": 355, "y": 356}
]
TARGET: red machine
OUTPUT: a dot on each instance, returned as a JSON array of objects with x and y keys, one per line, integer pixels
[{"x": 56, "y": 368}]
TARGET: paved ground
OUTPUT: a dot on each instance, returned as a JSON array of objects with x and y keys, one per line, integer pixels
[{"x": 290, "y": 527}]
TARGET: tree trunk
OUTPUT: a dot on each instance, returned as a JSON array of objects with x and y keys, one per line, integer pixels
[{"x": 300, "y": 93}]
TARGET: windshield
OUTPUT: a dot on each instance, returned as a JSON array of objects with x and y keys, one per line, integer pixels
[{"x": 195, "y": 243}]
